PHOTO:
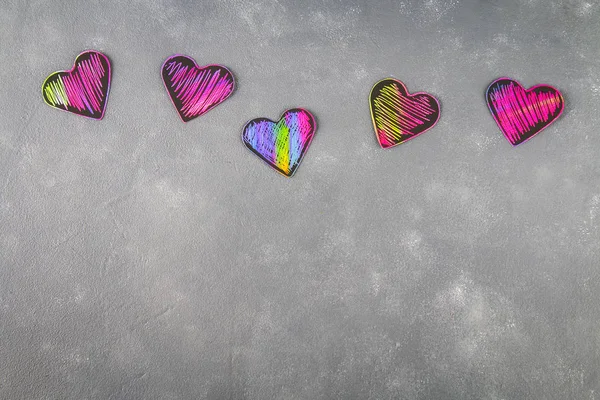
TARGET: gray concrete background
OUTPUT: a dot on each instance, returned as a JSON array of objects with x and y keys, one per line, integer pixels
[{"x": 144, "y": 258}]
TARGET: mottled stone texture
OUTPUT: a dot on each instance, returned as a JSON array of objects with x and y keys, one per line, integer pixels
[{"x": 145, "y": 258}]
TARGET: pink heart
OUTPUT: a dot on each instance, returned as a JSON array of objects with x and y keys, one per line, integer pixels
[
  {"x": 399, "y": 116},
  {"x": 521, "y": 114},
  {"x": 83, "y": 90},
  {"x": 195, "y": 90}
]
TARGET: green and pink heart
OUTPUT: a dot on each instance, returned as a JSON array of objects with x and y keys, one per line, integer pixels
[{"x": 83, "y": 90}]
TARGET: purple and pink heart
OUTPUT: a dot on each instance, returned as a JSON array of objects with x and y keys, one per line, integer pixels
[
  {"x": 523, "y": 113},
  {"x": 83, "y": 90},
  {"x": 195, "y": 90}
]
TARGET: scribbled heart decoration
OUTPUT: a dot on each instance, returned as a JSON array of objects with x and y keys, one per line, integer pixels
[
  {"x": 399, "y": 116},
  {"x": 83, "y": 90},
  {"x": 523, "y": 113},
  {"x": 281, "y": 144},
  {"x": 195, "y": 90}
]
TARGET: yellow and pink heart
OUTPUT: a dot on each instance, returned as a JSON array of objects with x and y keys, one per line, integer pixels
[{"x": 399, "y": 116}]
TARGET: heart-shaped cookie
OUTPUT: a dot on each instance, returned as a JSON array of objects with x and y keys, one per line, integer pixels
[
  {"x": 83, "y": 90},
  {"x": 281, "y": 144},
  {"x": 399, "y": 116},
  {"x": 523, "y": 113},
  {"x": 195, "y": 90}
]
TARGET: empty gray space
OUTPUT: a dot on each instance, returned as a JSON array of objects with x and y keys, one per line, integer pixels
[{"x": 145, "y": 258}]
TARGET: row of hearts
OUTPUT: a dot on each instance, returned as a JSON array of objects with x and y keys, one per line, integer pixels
[{"x": 397, "y": 115}]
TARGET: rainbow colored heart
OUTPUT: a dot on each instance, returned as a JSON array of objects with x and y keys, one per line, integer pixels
[
  {"x": 195, "y": 90},
  {"x": 399, "y": 116},
  {"x": 523, "y": 113},
  {"x": 83, "y": 90},
  {"x": 281, "y": 144}
]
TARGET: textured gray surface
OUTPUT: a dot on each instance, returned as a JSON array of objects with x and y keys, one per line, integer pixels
[{"x": 144, "y": 258}]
